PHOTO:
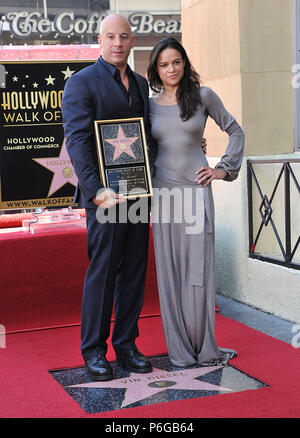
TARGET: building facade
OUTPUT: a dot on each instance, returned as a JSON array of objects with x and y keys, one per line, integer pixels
[{"x": 248, "y": 52}]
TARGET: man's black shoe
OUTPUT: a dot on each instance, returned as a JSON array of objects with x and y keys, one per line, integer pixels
[
  {"x": 98, "y": 368},
  {"x": 133, "y": 360}
]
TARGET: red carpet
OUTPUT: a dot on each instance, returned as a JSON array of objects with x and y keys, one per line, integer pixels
[
  {"x": 13, "y": 220},
  {"x": 29, "y": 391},
  {"x": 41, "y": 285},
  {"x": 41, "y": 279}
]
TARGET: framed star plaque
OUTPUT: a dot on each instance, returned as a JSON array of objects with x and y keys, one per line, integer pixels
[{"x": 123, "y": 156}]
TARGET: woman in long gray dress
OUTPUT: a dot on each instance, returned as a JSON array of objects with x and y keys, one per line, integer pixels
[{"x": 182, "y": 209}]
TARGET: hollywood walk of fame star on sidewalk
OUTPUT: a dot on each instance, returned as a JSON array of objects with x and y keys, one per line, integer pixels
[
  {"x": 122, "y": 144},
  {"x": 141, "y": 386},
  {"x": 61, "y": 167}
]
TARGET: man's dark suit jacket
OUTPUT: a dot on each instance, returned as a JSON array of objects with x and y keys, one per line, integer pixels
[{"x": 93, "y": 94}]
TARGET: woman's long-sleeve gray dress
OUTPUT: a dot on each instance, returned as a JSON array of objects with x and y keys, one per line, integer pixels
[{"x": 183, "y": 227}]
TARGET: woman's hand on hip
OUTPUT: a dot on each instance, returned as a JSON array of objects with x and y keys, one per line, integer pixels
[{"x": 205, "y": 175}]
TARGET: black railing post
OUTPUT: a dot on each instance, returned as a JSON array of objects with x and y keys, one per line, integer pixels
[
  {"x": 250, "y": 207},
  {"x": 287, "y": 208}
]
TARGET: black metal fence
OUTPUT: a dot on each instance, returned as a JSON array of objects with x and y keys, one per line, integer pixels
[{"x": 266, "y": 212}]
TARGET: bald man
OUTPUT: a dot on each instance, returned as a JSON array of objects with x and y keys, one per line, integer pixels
[{"x": 117, "y": 252}]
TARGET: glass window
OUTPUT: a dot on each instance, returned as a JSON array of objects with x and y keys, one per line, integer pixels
[{"x": 42, "y": 22}]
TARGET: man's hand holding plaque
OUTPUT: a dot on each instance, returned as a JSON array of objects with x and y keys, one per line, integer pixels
[{"x": 107, "y": 198}]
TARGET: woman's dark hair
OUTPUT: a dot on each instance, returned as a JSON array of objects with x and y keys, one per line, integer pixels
[{"x": 188, "y": 96}]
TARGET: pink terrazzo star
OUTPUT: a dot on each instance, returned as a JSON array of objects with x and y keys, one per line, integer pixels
[
  {"x": 122, "y": 144},
  {"x": 142, "y": 386},
  {"x": 61, "y": 167}
]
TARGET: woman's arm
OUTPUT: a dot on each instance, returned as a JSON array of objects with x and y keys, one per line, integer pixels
[{"x": 229, "y": 166}]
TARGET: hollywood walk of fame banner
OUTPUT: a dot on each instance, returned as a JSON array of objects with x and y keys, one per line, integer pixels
[
  {"x": 35, "y": 169},
  {"x": 123, "y": 156}
]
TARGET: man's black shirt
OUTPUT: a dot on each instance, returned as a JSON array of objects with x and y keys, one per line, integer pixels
[{"x": 133, "y": 95}]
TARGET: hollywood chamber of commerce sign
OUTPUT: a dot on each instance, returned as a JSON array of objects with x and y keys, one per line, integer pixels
[{"x": 24, "y": 24}]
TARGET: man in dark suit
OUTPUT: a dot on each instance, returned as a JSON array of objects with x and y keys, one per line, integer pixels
[{"x": 118, "y": 252}]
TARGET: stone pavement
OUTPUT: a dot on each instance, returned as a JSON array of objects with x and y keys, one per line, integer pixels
[{"x": 269, "y": 324}]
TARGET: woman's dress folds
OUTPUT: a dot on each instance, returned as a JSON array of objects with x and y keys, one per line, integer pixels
[{"x": 182, "y": 215}]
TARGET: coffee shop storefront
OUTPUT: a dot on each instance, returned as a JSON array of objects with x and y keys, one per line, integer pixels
[{"x": 77, "y": 22}]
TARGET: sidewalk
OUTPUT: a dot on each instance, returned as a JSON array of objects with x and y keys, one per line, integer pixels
[{"x": 257, "y": 319}]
